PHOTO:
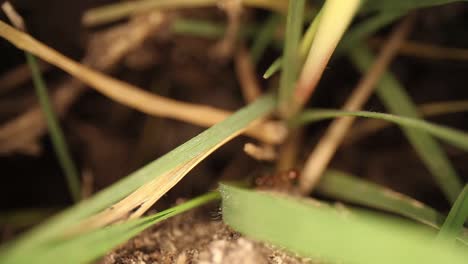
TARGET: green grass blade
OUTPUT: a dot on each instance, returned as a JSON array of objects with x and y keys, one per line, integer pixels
[
  {"x": 407, "y": 5},
  {"x": 90, "y": 246},
  {"x": 264, "y": 37},
  {"x": 398, "y": 102},
  {"x": 343, "y": 186},
  {"x": 207, "y": 29},
  {"x": 273, "y": 68},
  {"x": 332, "y": 235},
  {"x": 290, "y": 73},
  {"x": 198, "y": 28},
  {"x": 352, "y": 38},
  {"x": 348, "y": 188},
  {"x": 453, "y": 225},
  {"x": 304, "y": 47},
  {"x": 56, "y": 134},
  {"x": 456, "y": 138},
  {"x": 182, "y": 154}
]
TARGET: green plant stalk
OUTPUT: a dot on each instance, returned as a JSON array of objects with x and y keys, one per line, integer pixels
[
  {"x": 398, "y": 102},
  {"x": 90, "y": 246},
  {"x": 455, "y": 137},
  {"x": 56, "y": 134},
  {"x": 453, "y": 224},
  {"x": 289, "y": 75},
  {"x": 332, "y": 235},
  {"x": 57, "y": 225}
]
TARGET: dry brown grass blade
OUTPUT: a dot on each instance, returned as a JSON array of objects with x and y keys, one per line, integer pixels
[
  {"x": 320, "y": 157},
  {"x": 105, "y": 50},
  {"x": 225, "y": 47},
  {"x": 262, "y": 153},
  {"x": 22, "y": 132},
  {"x": 245, "y": 70},
  {"x": 138, "y": 202},
  {"x": 131, "y": 95},
  {"x": 424, "y": 50}
]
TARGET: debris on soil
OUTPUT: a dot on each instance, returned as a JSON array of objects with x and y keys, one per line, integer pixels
[{"x": 197, "y": 237}]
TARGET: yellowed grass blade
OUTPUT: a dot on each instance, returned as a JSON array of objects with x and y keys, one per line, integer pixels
[{"x": 138, "y": 202}]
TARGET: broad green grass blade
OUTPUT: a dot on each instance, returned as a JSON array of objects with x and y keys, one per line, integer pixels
[
  {"x": 88, "y": 247},
  {"x": 456, "y": 138},
  {"x": 405, "y": 5},
  {"x": 343, "y": 186},
  {"x": 398, "y": 102},
  {"x": 182, "y": 154},
  {"x": 453, "y": 225},
  {"x": 58, "y": 140},
  {"x": 348, "y": 188},
  {"x": 326, "y": 234},
  {"x": 264, "y": 37},
  {"x": 289, "y": 75}
]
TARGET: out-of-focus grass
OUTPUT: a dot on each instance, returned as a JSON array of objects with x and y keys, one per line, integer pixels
[
  {"x": 398, "y": 102},
  {"x": 331, "y": 235}
]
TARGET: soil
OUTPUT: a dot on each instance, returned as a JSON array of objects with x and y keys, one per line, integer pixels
[{"x": 198, "y": 236}]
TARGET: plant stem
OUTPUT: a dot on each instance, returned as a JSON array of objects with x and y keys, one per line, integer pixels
[
  {"x": 291, "y": 56},
  {"x": 56, "y": 134}
]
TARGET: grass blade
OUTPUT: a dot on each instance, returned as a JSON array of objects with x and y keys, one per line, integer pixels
[
  {"x": 306, "y": 42},
  {"x": 453, "y": 225},
  {"x": 177, "y": 157},
  {"x": 133, "y": 96},
  {"x": 56, "y": 134},
  {"x": 398, "y": 102},
  {"x": 326, "y": 232},
  {"x": 407, "y": 5},
  {"x": 289, "y": 75},
  {"x": 198, "y": 28},
  {"x": 329, "y": 33},
  {"x": 90, "y": 246},
  {"x": 456, "y": 138},
  {"x": 113, "y": 12},
  {"x": 345, "y": 187}
]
